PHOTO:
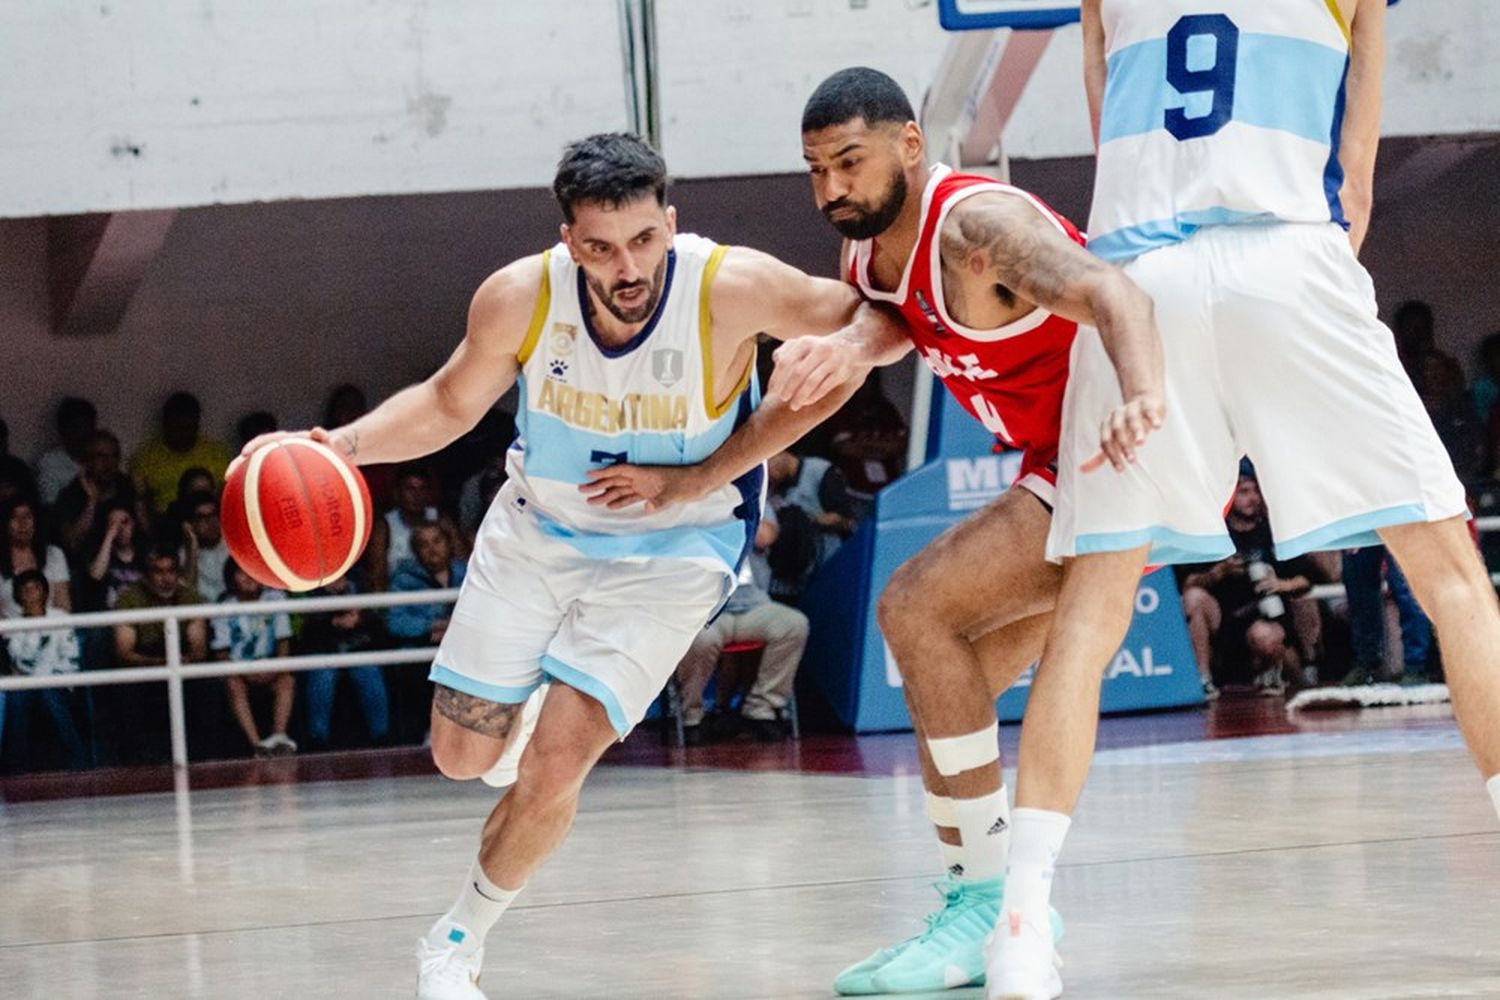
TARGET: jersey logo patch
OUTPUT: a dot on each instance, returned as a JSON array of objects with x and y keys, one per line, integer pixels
[
  {"x": 557, "y": 370},
  {"x": 563, "y": 335},
  {"x": 666, "y": 367},
  {"x": 966, "y": 366}
]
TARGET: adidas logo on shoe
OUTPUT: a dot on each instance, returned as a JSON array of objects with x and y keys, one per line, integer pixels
[{"x": 999, "y": 826}]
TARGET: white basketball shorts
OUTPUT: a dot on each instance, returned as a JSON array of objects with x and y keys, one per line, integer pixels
[
  {"x": 1273, "y": 350},
  {"x": 534, "y": 607}
]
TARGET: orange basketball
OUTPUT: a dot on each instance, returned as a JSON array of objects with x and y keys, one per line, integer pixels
[{"x": 296, "y": 514}]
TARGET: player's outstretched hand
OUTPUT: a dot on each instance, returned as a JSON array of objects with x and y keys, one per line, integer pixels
[
  {"x": 1126, "y": 429},
  {"x": 657, "y": 486},
  {"x": 808, "y": 368}
]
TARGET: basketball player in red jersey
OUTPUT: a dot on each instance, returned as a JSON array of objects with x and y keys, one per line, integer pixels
[{"x": 992, "y": 285}]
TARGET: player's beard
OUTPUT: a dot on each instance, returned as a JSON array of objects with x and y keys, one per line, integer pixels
[
  {"x": 640, "y": 313},
  {"x": 868, "y": 222}
]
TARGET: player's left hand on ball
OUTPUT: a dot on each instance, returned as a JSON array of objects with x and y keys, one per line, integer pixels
[
  {"x": 657, "y": 486},
  {"x": 1126, "y": 430}
]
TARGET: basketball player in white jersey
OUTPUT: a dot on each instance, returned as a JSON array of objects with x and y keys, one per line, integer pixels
[
  {"x": 1236, "y": 158},
  {"x": 630, "y": 342}
]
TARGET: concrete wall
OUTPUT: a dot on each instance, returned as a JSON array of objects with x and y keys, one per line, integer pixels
[{"x": 117, "y": 105}]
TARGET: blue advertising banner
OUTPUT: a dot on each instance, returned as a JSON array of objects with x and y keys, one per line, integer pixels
[{"x": 848, "y": 659}]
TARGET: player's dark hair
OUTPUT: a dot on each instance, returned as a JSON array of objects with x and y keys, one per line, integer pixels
[
  {"x": 609, "y": 169},
  {"x": 856, "y": 92}
]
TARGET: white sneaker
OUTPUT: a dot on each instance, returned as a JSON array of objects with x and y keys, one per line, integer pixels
[
  {"x": 450, "y": 972},
  {"x": 279, "y": 744},
  {"x": 1022, "y": 962},
  {"x": 503, "y": 774}
]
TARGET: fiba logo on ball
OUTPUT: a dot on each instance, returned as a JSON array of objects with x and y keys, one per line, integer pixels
[{"x": 296, "y": 514}]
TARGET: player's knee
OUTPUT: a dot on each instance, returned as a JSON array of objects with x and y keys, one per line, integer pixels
[
  {"x": 462, "y": 757},
  {"x": 549, "y": 779}
]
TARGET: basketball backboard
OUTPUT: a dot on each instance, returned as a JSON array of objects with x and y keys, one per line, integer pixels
[{"x": 1022, "y": 15}]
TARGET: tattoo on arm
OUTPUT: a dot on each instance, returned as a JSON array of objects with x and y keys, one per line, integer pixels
[
  {"x": 487, "y": 718},
  {"x": 353, "y": 438},
  {"x": 1024, "y": 252}
]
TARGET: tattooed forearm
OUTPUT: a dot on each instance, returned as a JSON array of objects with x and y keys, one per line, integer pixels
[
  {"x": 1024, "y": 252},
  {"x": 488, "y": 718}
]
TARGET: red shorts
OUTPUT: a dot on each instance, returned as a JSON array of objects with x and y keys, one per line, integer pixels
[{"x": 1038, "y": 475}]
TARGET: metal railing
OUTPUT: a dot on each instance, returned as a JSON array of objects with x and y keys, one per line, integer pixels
[{"x": 175, "y": 671}]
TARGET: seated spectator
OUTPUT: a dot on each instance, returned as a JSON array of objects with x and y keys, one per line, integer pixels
[
  {"x": 33, "y": 654},
  {"x": 158, "y": 465},
  {"x": 816, "y": 515},
  {"x": 15, "y": 475},
  {"x": 77, "y": 420},
  {"x": 433, "y": 567},
  {"x": 390, "y": 540},
  {"x": 135, "y": 714},
  {"x": 117, "y": 562},
  {"x": 192, "y": 484},
  {"x": 256, "y": 637},
  {"x": 749, "y": 616},
  {"x": 144, "y": 644},
  {"x": 83, "y": 504},
  {"x": 253, "y": 425},
  {"x": 23, "y": 547},
  {"x": 1238, "y": 612},
  {"x": 341, "y": 632},
  {"x": 205, "y": 553}
]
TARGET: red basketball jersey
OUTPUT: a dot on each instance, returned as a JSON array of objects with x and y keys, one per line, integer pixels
[{"x": 1011, "y": 378}]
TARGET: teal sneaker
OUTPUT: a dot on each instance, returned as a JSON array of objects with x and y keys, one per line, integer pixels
[
  {"x": 859, "y": 979},
  {"x": 950, "y": 954}
]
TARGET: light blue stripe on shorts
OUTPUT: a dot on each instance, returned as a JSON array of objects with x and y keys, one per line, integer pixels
[
  {"x": 1352, "y": 532},
  {"x": 449, "y": 678},
  {"x": 1168, "y": 547},
  {"x": 591, "y": 686}
]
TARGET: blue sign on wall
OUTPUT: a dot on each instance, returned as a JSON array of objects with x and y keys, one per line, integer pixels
[{"x": 850, "y": 662}]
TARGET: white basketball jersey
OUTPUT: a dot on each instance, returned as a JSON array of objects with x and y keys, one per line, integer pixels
[
  {"x": 1217, "y": 112},
  {"x": 648, "y": 402}
]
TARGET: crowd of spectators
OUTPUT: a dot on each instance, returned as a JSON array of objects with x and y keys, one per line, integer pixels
[{"x": 87, "y": 529}]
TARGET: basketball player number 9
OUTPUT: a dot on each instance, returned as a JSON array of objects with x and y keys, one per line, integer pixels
[{"x": 1217, "y": 79}]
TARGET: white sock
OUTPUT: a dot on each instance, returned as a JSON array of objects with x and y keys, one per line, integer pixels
[
  {"x": 478, "y": 907},
  {"x": 984, "y": 824},
  {"x": 1036, "y": 840},
  {"x": 1494, "y": 786},
  {"x": 953, "y": 858}
]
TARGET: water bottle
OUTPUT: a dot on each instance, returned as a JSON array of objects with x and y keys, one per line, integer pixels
[{"x": 1271, "y": 605}]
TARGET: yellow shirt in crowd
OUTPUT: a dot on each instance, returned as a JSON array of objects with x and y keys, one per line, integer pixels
[{"x": 156, "y": 468}]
